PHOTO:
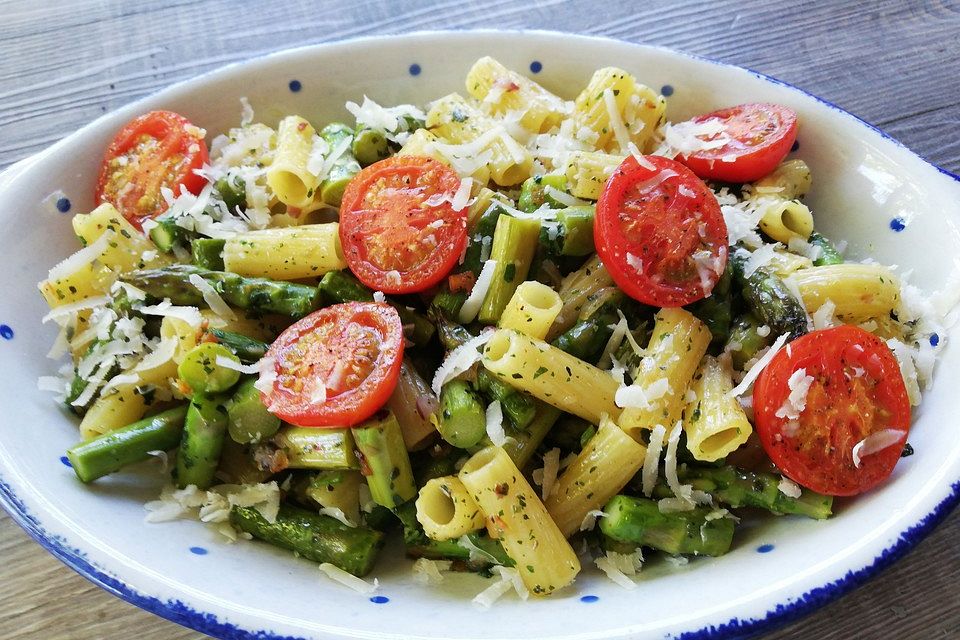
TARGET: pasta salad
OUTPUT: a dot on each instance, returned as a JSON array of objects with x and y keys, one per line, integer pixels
[{"x": 524, "y": 333}]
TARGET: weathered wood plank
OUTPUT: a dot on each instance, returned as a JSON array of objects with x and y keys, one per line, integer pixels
[{"x": 892, "y": 63}]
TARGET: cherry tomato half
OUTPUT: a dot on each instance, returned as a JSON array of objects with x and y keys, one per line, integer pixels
[
  {"x": 337, "y": 366},
  {"x": 761, "y": 136},
  {"x": 660, "y": 233},
  {"x": 157, "y": 149},
  {"x": 857, "y": 390},
  {"x": 398, "y": 228}
]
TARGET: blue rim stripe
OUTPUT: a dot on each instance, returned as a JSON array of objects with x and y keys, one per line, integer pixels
[{"x": 181, "y": 613}]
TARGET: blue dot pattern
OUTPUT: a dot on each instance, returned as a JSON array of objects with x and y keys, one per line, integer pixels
[
  {"x": 666, "y": 90},
  {"x": 66, "y": 461},
  {"x": 589, "y": 599},
  {"x": 796, "y": 145},
  {"x": 536, "y": 66},
  {"x": 379, "y": 599},
  {"x": 415, "y": 69},
  {"x": 765, "y": 548},
  {"x": 898, "y": 224},
  {"x": 6, "y": 332},
  {"x": 198, "y": 551},
  {"x": 63, "y": 205},
  {"x": 934, "y": 339},
  {"x": 295, "y": 86}
]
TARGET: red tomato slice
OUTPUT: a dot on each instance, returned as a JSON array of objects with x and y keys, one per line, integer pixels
[
  {"x": 660, "y": 233},
  {"x": 857, "y": 390},
  {"x": 337, "y": 366},
  {"x": 760, "y": 136},
  {"x": 157, "y": 149},
  {"x": 399, "y": 231}
]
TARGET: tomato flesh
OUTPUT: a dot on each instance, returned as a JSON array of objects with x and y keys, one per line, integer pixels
[
  {"x": 660, "y": 233},
  {"x": 337, "y": 366},
  {"x": 760, "y": 136},
  {"x": 398, "y": 228},
  {"x": 857, "y": 392},
  {"x": 157, "y": 149}
]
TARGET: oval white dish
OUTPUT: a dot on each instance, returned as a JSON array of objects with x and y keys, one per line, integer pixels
[{"x": 868, "y": 189}]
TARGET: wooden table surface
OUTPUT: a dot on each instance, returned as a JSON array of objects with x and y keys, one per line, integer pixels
[{"x": 62, "y": 64}]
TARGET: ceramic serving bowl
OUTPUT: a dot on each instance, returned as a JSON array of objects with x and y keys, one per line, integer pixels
[{"x": 869, "y": 190}]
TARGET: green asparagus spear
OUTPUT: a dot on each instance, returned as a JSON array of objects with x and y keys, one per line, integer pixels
[
  {"x": 768, "y": 297},
  {"x": 238, "y": 464},
  {"x": 639, "y": 521},
  {"x": 370, "y": 145},
  {"x": 384, "y": 460},
  {"x": 745, "y": 337},
  {"x": 233, "y": 192},
  {"x": 311, "y": 448},
  {"x": 486, "y": 552},
  {"x": 208, "y": 253},
  {"x": 534, "y": 193},
  {"x": 112, "y": 451},
  {"x": 514, "y": 243},
  {"x": 248, "y": 420},
  {"x": 461, "y": 420},
  {"x": 247, "y": 349},
  {"x": 201, "y": 371},
  {"x": 253, "y": 294},
  {"x": 201, "y": 443},
  {"x": 571, "y": 234},
  {"x": 340, "y": 286},
  {"x": 167, "y": 233},
  {"x": 738, "y": 488},
  {"x": 590, "y": 334},
  {"x": 521, "y": 445},
  {"x": 828, "y": 252},
  {"x": 517, "y": 405},
  {"x": 343, "y": 169},
  {"x": 716, "y": 310},
  {"x": 314, "y": 537}
]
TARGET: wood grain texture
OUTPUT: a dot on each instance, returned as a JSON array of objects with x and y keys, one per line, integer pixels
[{"x": 894, "y": 64}]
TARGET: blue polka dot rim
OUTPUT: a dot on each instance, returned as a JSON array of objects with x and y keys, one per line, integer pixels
[
  {"x": 589, "y": 599},
  {"x": 415, "y": 69},
  {"x": 63, "y": 205},
  {"x": 379, "y": 599},
  {"x": 65, "y": 461},
  {"x": 295, "y": 86},
  {"x": 536, "y": 66},
  {"x": 765, "y": 548},
  {"x": 6, "y": 332},
  {"x": 934, "y": 339},
  {"x": 898, "y": 224},
  {"x": 796, "y": 145},
  {"x": 198, "y": 551},
  {"x": 666, "y": 90}
]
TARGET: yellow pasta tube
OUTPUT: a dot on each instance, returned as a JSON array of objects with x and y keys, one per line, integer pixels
[
  {"x": 588, "y": 171},
  {"x": 288, "y": 176},
  {"x": 783, "y": 263},
  {"x": 424, "y": 143},
  {"x": 183, "y": 333},
  {"x": 598, "y": 473},
  {"x": 117, "y": 408},
  {"x": 516, "y": 516},
  {"x": 677, "y": 344},
  {"x": 784, "y": 219},
  {"x": 531, "y": 310},
  {"x": 87, "y": 281},
  {"x": 616, "y": 107},
  {"x": 502, "y": 90},
  {"x": 790, "y": 180},
  {"x": 446, "y": 509},
  {"x": 128, "y": 247},
  {"x": 457, "y": 122},
  {"x": 574, "y": 291},
  {"x": 713, "y": 420},
  {"x": 859, "y": 291},
  {"x": 551, "y": 375},
  {"x": 338, "y": 490},
  {"x": 288, "y": 253}
]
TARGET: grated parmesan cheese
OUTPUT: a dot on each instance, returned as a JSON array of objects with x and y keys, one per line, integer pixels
[
  {"x": 349, "y": 580},
  {"x": 459, "y": 360},
  {"x": 789, "y": 488},
  {"x": 876, "y": 442},
  {"x": 549, "y": 473},
  {"x": 509, "y": 579},
  {"x": 799, "y": 385},
  {"x": 651, "y": 461},
  {"x": 590, "y": 520},
  {"x": 212, "y": 298},
  {"x": 67, "y": 310},
  {"x": 190, "y": 315},
  {"x": 428, "y": 572},
  {"x": 494, "y": 418},
  {"x": 616, "y": 120},
  {"x": 620, "y": 566},
  {"x": 471, "y": 306},
  {"x": 337, "y": 514},
  {"x": 760, "y": 257},
  {"x": 230, "y": 363},
  {"x": 635, "y": 396},
  {"x": 476, "y": 554},
  {"x": 758, "y": 366},
  {"x": 83, "y": 257}
]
